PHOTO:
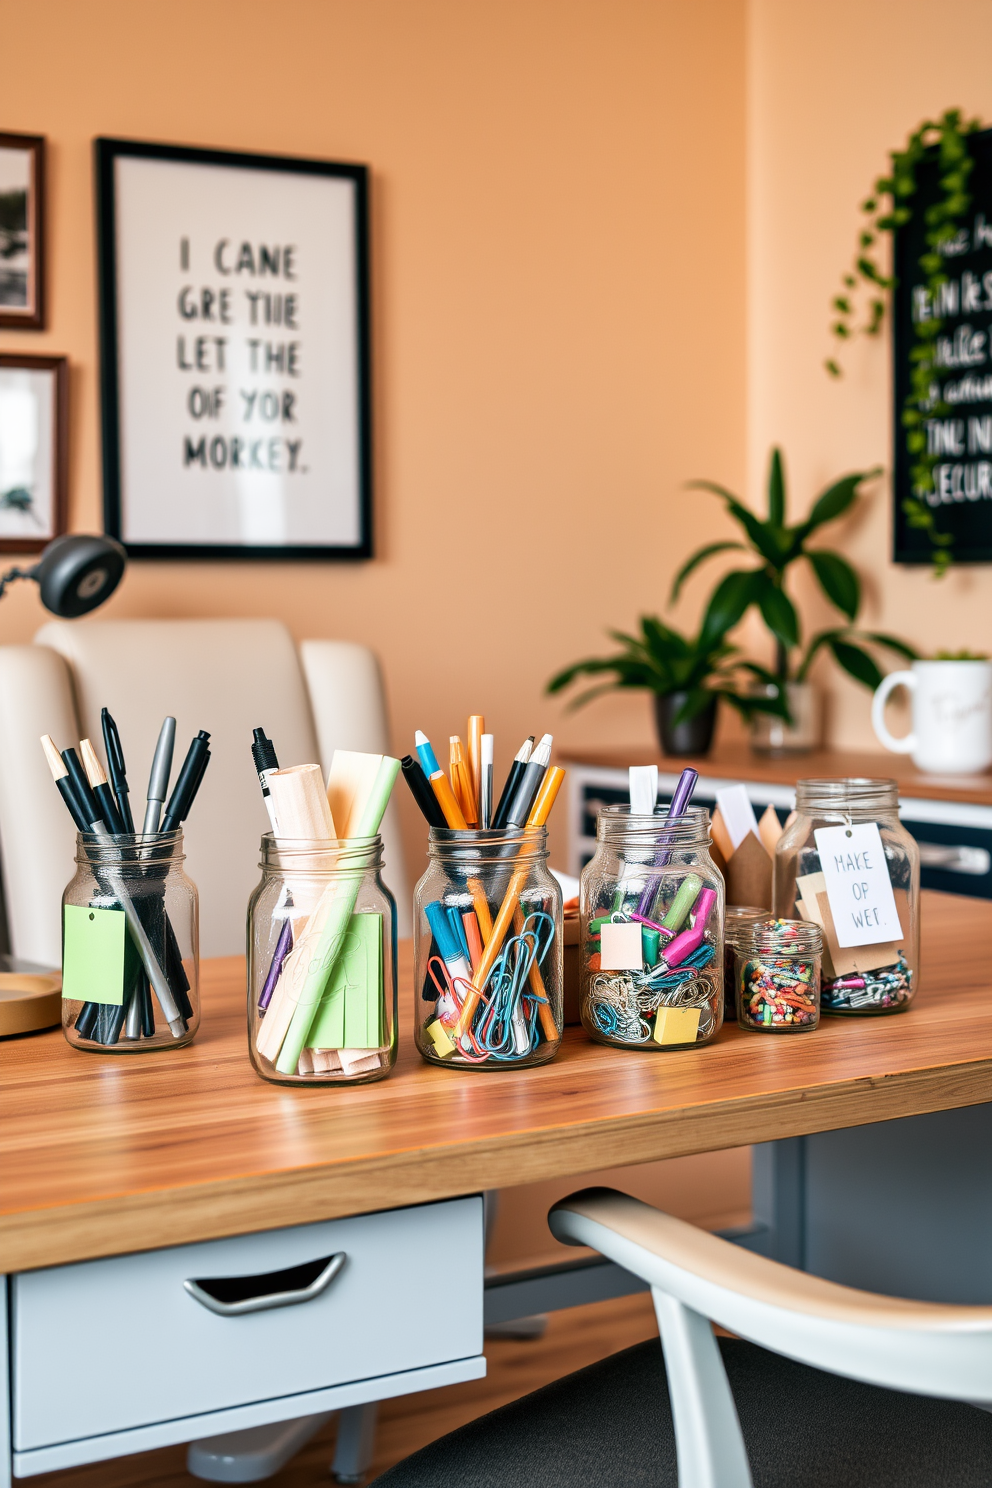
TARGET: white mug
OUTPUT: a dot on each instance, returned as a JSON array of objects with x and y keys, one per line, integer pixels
[{"x": 952, "y": 716}]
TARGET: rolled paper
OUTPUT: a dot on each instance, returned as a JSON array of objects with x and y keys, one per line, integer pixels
[
  {"x": 320, "y": 962},
  {"x": 283, "y": 947},
  {"x": 300, "y": 803},
  {"x": 680, "y": 906}
]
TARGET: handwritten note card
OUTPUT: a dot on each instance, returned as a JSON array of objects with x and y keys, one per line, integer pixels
[{"x": 858, "y": 887}]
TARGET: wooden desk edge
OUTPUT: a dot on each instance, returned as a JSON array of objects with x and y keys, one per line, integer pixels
[{"x": 256, "y": 1202}]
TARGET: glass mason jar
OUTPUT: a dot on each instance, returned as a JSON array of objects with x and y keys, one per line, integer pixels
[
  {"x": 488, "y": 949},
  {"x": 777, "y": 976},
  {"x": 771, "y": 735},
  {"x": 651, "y": 906},
  {"x": 130, "y": 945},
  {"x": 877, "y": 976},
  {"x": 322, "y": 963}
]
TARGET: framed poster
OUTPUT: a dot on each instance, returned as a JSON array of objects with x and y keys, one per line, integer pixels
[
  {"x": 22, "y": 231},
  {"x": 235, "y": 353},
  {"x": 34, "y": 429},
  {"x": 959, "y": 428}
]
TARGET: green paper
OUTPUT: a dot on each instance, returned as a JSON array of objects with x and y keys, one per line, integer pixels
[
  {"x": 93, "y": 955},
  {"x": 350, "y": 1012}
]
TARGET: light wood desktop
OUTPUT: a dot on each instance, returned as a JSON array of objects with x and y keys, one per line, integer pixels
[{"x": 103, "y": 1156}]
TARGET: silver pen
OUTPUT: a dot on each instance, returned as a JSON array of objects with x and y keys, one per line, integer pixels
[{"x": 158, "y": 782}]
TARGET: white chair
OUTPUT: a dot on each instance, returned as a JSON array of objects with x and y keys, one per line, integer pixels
[
  {"x": 822, "y": 1387},
  {"x": 226, "y": 676}
]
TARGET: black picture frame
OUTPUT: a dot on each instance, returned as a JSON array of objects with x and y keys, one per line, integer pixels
[
  {"x": 31, "y": 315},
  {"x": 963, "y": 478},
  {"x": 107, "y": 152}
]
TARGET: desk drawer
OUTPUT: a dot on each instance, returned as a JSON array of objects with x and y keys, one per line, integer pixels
[{"x": 108, "y": 1345}]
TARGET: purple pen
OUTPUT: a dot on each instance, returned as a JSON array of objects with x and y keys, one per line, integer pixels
[
  {"x": 680, "y": 800},
  {"x": 283, "y": 947}
]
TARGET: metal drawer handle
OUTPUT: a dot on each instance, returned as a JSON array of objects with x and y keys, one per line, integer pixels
[{"x": 320, "y": 1283}]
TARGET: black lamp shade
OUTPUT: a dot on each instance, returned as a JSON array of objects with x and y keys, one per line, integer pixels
[{"x": 77, "y": 572}]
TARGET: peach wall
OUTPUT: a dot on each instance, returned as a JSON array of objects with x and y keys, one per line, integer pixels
[
  {"x": 831, "y": 89},
  {"x": 558, "y": 228}
]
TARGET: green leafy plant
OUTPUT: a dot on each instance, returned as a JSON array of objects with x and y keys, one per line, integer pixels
[
  {"x": 663, "y": 661},
  {"x": 963, "y": 655},
  {"x": 779, "y": 546},
  {"x": 888, "y": 207}
]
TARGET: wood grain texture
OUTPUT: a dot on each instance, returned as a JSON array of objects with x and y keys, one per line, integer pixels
[
  {"x": 735, "y": 761},
  {"x": 102, "y": 1155}
]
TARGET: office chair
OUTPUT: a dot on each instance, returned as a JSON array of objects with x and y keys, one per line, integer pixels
[
  {"x": 226, "y": 676},
  {"x": 823, "y": 1386}
]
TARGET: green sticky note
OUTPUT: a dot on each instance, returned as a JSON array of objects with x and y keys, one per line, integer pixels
[
  {"x": 350, "y": 1011},
  {"x": 93, "y": 955}
]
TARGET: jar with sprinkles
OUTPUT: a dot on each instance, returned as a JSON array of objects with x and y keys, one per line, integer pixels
[
  {"x": 651, "y": 906},
  {"x": 777, "y": 976}
]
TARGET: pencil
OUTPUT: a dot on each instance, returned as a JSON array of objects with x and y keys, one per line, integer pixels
[{"x": 461, "y": 781}]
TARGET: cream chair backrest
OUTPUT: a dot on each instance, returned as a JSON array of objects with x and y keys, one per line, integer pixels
[{"x": 226, "y": 676}]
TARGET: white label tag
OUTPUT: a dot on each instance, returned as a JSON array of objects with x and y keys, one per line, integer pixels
[
  {"x": 620, "y": 947},
  {"x": 858, "y": 886}
]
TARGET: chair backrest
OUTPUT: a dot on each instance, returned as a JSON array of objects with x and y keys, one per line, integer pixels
[
  {"x": 920, "y": 1347},
  {"x": 227, "y": 676}
]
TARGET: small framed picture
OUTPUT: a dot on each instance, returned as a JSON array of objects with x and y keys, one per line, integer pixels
[
  {"x": 34, "y": 430},
  {"x": 22, "y": 231},
  {"x": 234, "y": 353}
]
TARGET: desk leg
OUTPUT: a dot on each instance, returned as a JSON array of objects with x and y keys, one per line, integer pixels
[
  {"x": 5, "y": 1393},
  {"x": 355, "y": 1444},
  {"x": 778, "y": 1201}
]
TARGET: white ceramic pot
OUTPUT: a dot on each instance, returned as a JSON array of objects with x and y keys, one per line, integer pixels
[{"x": 951, "y": 712}]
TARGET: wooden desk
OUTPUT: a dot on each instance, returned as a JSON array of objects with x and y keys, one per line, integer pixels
[
  {"x": 101, "y": 1155},
  {"x": 739, "y": 762}
]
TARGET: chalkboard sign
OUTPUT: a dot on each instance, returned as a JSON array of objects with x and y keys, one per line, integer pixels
[{"x": 961, "y": 437}]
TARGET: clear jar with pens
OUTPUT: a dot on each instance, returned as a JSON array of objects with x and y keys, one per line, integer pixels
[
  {"x": 488, "y": 950},
  {"x": 322, "y": 984},
  {"x": 652, "y": 919},
  {"x": 848, "y": 865},
  {"x": 130, "y": 945}
]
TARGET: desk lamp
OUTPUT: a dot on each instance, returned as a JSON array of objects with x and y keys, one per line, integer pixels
[{"x": 75, "y": 574}]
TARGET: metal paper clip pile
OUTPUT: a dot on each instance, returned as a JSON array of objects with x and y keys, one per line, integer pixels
[
  {"x": 506, "y": 1024},
  {"x": 621, "y": 1004}
]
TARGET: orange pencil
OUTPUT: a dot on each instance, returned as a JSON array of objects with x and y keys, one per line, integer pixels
[
  {"x": 476, "y": 729},
  {"x": 461, "y": 781},
  {"x": 550, "y": 786},
  {"x": 446, "y": 800}
]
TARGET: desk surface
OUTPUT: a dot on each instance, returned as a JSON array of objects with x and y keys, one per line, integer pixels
[
  {"x": 738, "y": 762},
  {"x": 101, "y": 1155}
]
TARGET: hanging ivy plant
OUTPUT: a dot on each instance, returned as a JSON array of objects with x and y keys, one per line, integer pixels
[{"x": 860, "y": 307}]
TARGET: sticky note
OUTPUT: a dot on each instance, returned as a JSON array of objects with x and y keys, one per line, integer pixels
[
  {"x": 93, "y": 955},
  {"x": 858, "y": 887},
  {"x": 676, "y": 1025},
  {"x": 620, "y": 948},
  {"x": 737, "y": 812},
  {"x": 350, "y": 1012},
  {"x": 437, "y": 1033}
]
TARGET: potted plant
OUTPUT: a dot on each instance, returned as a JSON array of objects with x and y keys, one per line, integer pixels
[
  {"x": 687, "y": 675},
  {"x": 779, "y": 547}
]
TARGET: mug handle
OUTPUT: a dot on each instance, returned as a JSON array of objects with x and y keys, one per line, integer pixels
[{"x": 907, "y": 743}]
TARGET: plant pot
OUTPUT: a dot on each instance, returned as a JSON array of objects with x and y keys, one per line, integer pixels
[
  {"x": 692, "y": 735},
  {"x": 770, "y": 735}
]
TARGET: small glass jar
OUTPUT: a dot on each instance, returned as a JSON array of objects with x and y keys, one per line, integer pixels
[
  {"x": 777, "y": 976},
  {"x": 130, "y": 945},
  {"x": 856, "y": 979},
  {"x": 651, "y": 906},
  {"x": 738, "y": 921},
  {"x": 488, "y": 948},
  {"x": 772, "y": 735},
  {"x": 322, "y": 963}
]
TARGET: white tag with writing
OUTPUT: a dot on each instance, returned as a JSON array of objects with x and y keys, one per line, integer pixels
[{"x": 858, "y": 886}]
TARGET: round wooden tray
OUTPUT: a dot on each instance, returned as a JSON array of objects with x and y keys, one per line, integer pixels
[{"x": 29, "y": 1001}]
